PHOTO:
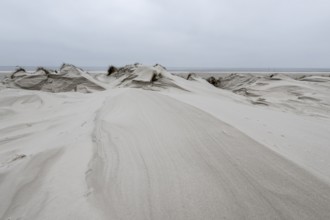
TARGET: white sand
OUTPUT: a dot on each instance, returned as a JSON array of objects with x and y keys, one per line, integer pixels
[{"x": 171, "y": 149}]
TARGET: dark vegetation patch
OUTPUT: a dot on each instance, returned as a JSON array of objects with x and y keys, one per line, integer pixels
[
  {"x": 18, "y": 69},
  {"x": 111, "y": 70},
  {"x": 43, "y": 69},
  {"x": 190, "y": 76},
  {"x": 212, "y": 80}
]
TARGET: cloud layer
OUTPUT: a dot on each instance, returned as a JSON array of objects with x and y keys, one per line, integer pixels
[{"x": 199, "y": 33}]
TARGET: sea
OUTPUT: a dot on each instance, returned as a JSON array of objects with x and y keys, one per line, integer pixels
[{"x": 183, "y": 69}]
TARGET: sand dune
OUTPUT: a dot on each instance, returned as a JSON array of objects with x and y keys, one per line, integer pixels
[
  {"x": 151, "y": 145},
  {"x": 305, "y": 95},
  {"x": 68, "y": 78}
]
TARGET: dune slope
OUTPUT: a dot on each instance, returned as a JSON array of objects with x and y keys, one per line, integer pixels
[{"x": 134, "y": 154}]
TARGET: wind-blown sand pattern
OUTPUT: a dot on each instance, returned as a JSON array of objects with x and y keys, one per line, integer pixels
[{"x": 145, "y": 144}]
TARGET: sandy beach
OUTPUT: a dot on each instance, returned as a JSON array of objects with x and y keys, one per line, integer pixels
[{"x": 142, "y": 143}]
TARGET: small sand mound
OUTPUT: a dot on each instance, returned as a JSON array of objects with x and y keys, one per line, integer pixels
[
  {"x": 72, "y": 79},
  {"x": 315, "y": 79},
  {"x": 68, "y": 79},
  {"x": 238, "y": 81},
  {"x": 140, "y": 76},
  {"x": 306, "y": 95}
]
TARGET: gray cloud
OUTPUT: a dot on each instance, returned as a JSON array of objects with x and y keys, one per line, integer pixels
[{"x": 200, "y": 33}]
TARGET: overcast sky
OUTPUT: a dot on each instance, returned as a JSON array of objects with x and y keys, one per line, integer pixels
[{"x": 175, "y": 33}]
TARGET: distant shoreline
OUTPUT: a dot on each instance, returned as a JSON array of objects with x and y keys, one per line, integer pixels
[{"x": 190, "y": 69}]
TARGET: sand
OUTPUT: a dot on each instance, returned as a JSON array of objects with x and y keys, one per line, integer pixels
[{"x": 150, "y": 145}]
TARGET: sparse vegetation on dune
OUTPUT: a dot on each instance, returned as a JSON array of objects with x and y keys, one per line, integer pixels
[
  {"x": 111, "y": 70},
  {"x": 157, "y": 64},
  {"x": 43, "y": 69},
  {"x": 190, "y": 76},
  {"x": 63, "y": 65},
  {"x": 18, "y": 69},
  {"x": 212, "y": 80}
]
